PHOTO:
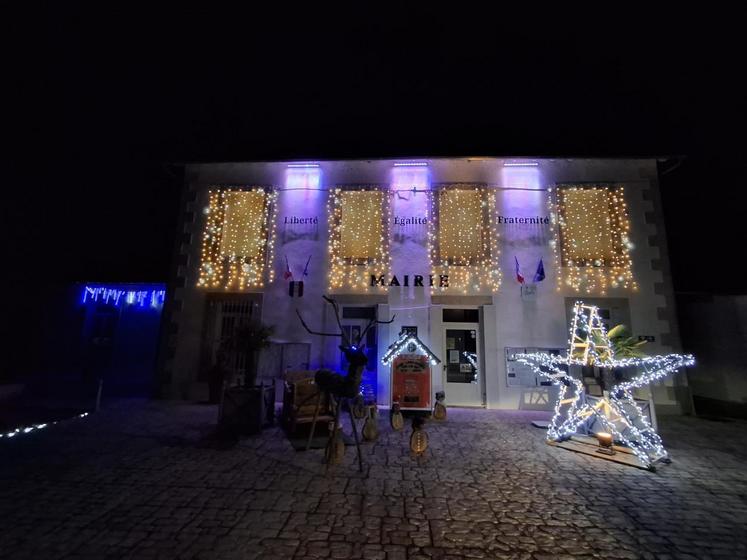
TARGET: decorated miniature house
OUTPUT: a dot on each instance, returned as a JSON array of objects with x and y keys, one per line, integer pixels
[{"x": 411, "y": 362}]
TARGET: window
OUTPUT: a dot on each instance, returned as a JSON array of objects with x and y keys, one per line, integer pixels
[
  {"x": 361, "y": 227},
  {"x": 358, "y": 236},
  {"x": 460, "y": 232},
  {"x": 460, "y": 315},
  {"x": 594, "y": 240},
  {"x": 243, "y": 225},
  {"x": 237, "y": 241},
  {"x": 464, "y": 241}
]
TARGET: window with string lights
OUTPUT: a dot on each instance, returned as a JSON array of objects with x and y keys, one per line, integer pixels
[
  {"x": 592, "y": 248},
  {"x": 463, "y": 238},
  {"x": 358, "y": 236},
  {"x": 238, "y": 239}
]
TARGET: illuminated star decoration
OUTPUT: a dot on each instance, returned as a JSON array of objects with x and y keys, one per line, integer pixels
[{"x": 617, "y": 411}]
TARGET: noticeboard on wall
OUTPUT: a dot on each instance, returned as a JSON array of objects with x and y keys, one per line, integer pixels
[{"x": 519, "y": 374}]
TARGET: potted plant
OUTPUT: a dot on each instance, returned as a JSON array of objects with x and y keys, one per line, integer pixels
[
  {"x": 217, "y": 374},
  {"x": 246, "y": 407},
  {"x": 624, "y": 346}
]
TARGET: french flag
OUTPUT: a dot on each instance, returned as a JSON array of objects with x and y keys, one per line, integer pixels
[
  {"x": 288, "y": 273},
  {"x": 519, "y": 275}
]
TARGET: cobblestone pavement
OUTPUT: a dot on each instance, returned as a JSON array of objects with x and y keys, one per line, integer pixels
[{"x": 144, "y": 480}]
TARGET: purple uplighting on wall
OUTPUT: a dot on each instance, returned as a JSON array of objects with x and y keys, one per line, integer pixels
[
  {"x": 406, "y": 178},
  {"x": 521, "y": 177},
  {"x": 306, "y": 177}
]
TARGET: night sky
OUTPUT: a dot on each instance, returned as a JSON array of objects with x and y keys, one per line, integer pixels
[{"x": 106, "y": 105}]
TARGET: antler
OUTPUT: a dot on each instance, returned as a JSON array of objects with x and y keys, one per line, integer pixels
[
  {"x": 314, "y": 332},
  {"x": 373, "y": 322},
  {"x": 339, "y": 323},
  {"x": 342, "y": 334},
  {"x": 334, "y": 305}
]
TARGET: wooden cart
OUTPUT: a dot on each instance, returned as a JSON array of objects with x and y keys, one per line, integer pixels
[{"x": 299, "y": 400}]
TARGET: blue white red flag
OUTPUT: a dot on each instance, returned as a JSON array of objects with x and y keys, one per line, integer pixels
[
  {"x": 519, "y": 275},
  {"x": 288, "y": 273}
]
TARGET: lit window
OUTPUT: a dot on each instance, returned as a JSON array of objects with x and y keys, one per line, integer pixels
[
  {"x": 243, "y": 225},
  {"x": 358, "y": 236},
  {"x": 594, "y": 242},
  {"x": 361, "y": 227},
  {"x": 464, "y": 239},
  {"x": 238, "y": 239}
]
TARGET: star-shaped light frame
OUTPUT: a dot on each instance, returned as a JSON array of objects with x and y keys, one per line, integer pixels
[{"x": 617, "y": 411}]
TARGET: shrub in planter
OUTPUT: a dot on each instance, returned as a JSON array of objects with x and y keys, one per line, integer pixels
[
  {"x": 246, "y": 410},
  {"x": 247, "y": 407},
  {"x": 217, "y": 375}
]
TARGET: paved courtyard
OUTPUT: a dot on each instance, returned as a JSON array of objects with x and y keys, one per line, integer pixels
[{"x": 146, "y": 480}]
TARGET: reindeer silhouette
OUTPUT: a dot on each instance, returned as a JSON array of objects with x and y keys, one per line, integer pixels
[{"x": 341, "y": 387}]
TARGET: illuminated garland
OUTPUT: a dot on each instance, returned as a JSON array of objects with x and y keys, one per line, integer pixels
[
  {"x": 239, "y": 239},
  {"x": 116, "y": 296},
  {"x": 36, "y": 427},
  {"x": 592, "y": 245},
  {"x": 358, "y": 237},
  {"x": 472, "y": 359},
  {"x": 618, "y": 412},
  {"x": 401, "y": 344},
  {"x": 463, "y": 239}
]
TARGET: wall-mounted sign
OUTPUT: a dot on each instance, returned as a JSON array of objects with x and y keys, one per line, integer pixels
[
  {"x": 524, "y": 220},
  {"x": 519, "y": 374},
  {"x": 295, "y": 288},
  {"x": 416, "y": 280},
  {"x": 529, "y": 292},
  {"x": 410, "y": 220},
  {"x": 300, "y": 220},
  {"x": 295, "y": 227}
]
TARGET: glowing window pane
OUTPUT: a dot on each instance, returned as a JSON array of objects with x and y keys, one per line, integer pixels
[
  {"x": 588, "y": 226},
  {"x": 460, "y": 225},
  {"x": 594, "y": 238},
  {"x": 243, "y": 233},
  {"x": 361, "y": 224}
]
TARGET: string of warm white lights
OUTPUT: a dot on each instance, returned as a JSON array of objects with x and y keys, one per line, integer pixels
[
  {"x": 358, "y": 237},
  {"x": 463, "y": 238},
  {"x": 617, "y": 411},
  {"x": 472, "y": 359},
  {"x": 592, "y": 245},
  {"x": 36, "y": 427},
  {"x": 402, "y": 343},
  {"x": 239, "y": 238}
]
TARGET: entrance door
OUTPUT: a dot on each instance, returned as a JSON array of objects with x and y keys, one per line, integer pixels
[
  {"x": 223, "y": 313},
  {"x": 354, "y": 321},
  {"x": 462, "y": 380}
]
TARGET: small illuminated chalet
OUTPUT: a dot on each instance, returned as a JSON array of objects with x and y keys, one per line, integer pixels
[{"x": 483, "y": 258}]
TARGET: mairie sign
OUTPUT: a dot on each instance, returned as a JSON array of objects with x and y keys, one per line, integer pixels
[{"x": 416, "y": 280}]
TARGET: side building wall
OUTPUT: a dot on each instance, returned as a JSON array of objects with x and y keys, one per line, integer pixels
[{"x": 714, "y": 328}]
